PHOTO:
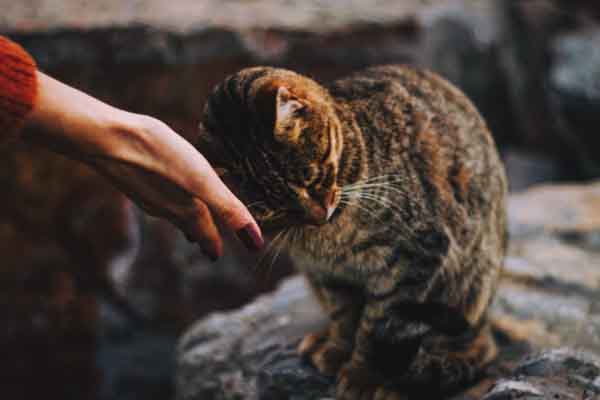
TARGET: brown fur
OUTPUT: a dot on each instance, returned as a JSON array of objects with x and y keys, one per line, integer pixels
[{"x": 388, "y": 191}]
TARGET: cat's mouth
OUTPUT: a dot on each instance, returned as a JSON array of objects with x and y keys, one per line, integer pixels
[
  {"x": 302, "y": 218},
  {"x": 286, "y": 218},
  {"x": 308, "y": 212}
]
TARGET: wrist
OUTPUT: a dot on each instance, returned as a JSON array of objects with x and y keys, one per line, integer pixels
[{"x": 72, "y": 122}]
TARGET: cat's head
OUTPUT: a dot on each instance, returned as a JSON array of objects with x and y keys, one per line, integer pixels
[{"x": 275, "y": 138}]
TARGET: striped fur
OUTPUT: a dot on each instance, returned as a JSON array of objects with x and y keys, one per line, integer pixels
[{"x": 407, "y": 263}]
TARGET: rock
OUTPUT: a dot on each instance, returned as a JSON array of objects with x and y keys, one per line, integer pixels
[
  {"x": 554, "y": 374},
  {"x": 190, "y": 15},
  {"x": 507, "y": 389},
  {"x": 557, "y": 210},
  {"x": 231, "y": 348},
  {"x": 525, "y": 169},
  {"x": 576, "y": 67},
  {"x": 124, "y": 354},
  {"x": 549, "y": 298},
  {"x": 548, "y": 55},
  {"x": 573, "y": 81},
  {"x": 461, "y": 44}
]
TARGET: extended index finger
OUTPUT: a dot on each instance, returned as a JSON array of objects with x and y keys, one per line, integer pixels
[{"x": 232, "y": 212}]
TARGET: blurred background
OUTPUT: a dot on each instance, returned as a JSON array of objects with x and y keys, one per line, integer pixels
[{"x": 93, "y": 294}]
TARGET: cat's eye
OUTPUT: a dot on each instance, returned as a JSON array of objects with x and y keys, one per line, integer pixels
[
  {"x": 301, "y": 112},
  {"x": 306, "y": 173},
  {"x": 328, "y": 180},
  {"x": 312, "y": 177}
]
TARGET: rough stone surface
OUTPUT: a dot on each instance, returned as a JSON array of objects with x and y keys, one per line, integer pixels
[
  {"x": 551, "y": 89},
  {"x": 263, "y": 333},
  {"x": 553, "y": 374},
  {"x": 549, "y": 298},
  {"x": 574, "y": 83},
  {"x": 576, "y": 70},
  {"x": 189, "y": 15}
]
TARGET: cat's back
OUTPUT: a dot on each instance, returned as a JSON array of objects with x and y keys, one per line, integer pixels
[
  {"x": 414, "y": 118},
  {"x": 409, "y": 93},
  {"x": 419, "y": 126}
]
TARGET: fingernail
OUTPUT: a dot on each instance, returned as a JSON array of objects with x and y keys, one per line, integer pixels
[{"x": 251, "y": 238}]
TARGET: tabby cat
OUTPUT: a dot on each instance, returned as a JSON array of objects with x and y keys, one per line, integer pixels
[{"x": 390, "y": 195}]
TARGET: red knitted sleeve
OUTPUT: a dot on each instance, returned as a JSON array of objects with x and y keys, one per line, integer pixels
[{"x": 18, "y": 87}]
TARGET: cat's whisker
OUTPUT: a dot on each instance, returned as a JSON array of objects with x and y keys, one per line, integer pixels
[
  {"x": 373, "y": 184},
  {"x": 280, "y": 247},
  {"x": 255, "y": 204},
  {"x": 359, "y": 193},
  {"x": 295, "y": 235},
  {"x": 268, "y": 250},
  {"x": 372, "y": 187},
  {"x": 368, "y": 197},
  {"x": 361, "y": 184},
  {"x": 389, "y": 177},
  {"x": 379, "y": 177},
  {"x": 292, "y": 232},
  {"x": 379, "y": 200},
  {"x": 362, "y": 207}
]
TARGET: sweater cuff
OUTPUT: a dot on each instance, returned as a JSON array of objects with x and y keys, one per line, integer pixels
[{"x": 18, "y": 88}]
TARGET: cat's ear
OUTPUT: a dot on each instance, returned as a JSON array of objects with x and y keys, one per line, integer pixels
[
  {"x": 286, "y": 104},
  {"x": 286, "y": 108}
]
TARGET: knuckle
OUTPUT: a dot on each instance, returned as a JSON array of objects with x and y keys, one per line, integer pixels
[
  {"x": 231, "y": 216},
  {"x": 202, "y": 210}
]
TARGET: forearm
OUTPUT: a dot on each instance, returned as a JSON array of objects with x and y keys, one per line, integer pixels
[
  {"x": 156, "y": 167},
  {"x": 73, "y": 122},
  {"x": 87, "y": 129}
]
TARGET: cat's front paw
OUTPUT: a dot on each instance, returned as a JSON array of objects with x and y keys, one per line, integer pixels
[
  {"x": 325, "y": 354},
  {"x": 355, "y": 383},
  {"x": 358, "y": 383}
]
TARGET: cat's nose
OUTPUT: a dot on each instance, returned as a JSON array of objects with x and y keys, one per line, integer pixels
[
  {"x": 321, "y": 211},
  {"x": 329, "y": 204},
  {"x": 317, "y": 214},
  {"x": 330, "y": 210},
  {"x": 318, "y": 210}
]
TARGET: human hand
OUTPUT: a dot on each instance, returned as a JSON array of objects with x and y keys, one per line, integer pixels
[{"x": 160, "y": 171}]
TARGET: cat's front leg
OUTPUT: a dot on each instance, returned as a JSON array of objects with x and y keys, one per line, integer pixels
[
  {"x": 357, "y": 380},
  {"x": 383, "y": 347},
  {"x": 329, "y": 349}
]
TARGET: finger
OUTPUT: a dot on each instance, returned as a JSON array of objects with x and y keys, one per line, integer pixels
[
  {"x": 193, "y": 172},
  {"x": 203, "y": 230},
  {"x": 230, "y": 210}
]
